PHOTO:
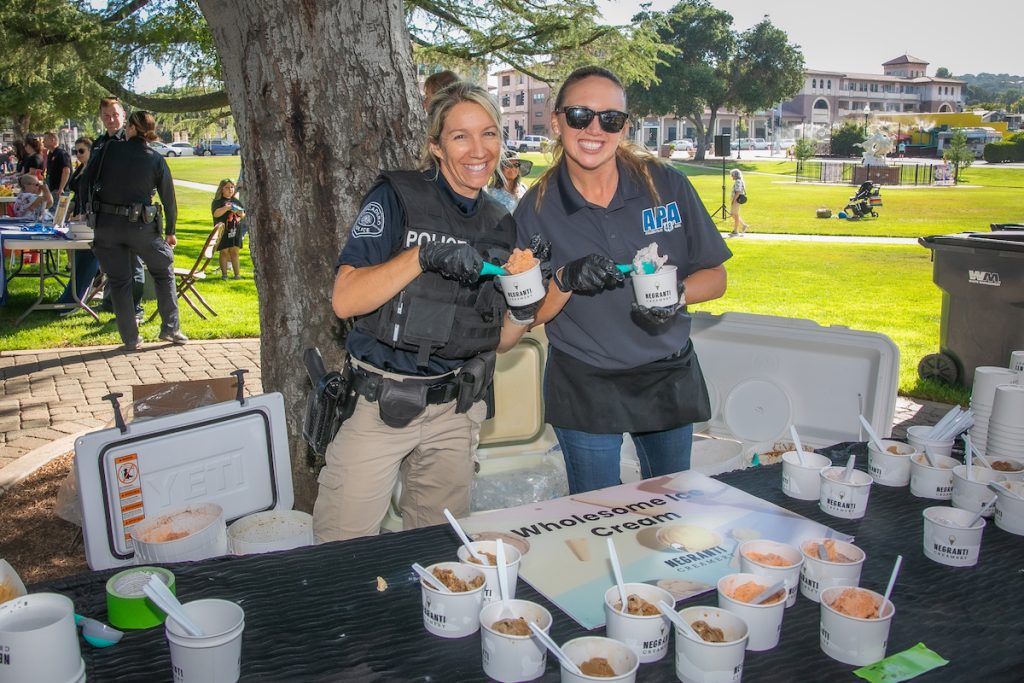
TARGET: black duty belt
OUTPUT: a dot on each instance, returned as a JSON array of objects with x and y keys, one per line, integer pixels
[
  {"x": 116, "y": 209},
  {"x": 440, "y": 390}
]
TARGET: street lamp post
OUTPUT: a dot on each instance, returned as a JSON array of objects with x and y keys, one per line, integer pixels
[{"x": 867, "y": 111}]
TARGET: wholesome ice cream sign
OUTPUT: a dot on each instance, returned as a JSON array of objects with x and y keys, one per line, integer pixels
[{"x": 679, "y": 532}]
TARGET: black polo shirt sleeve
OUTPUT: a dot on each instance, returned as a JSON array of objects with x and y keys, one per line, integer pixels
[
  {"x": 376, "y": 233},
  {"x": 165, "y": 188}
]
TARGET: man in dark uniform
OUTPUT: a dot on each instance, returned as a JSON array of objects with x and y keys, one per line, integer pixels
[
  {"x": 112, "y": 117},
  {"x": 58, "y": 166},
  {"x": 127, "y": 221}
]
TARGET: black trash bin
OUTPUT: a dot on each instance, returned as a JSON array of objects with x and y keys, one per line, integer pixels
[{"x": 981, "y": 275}]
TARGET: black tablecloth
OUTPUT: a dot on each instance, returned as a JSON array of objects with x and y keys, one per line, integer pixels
[{"x": 315, "y": 613}]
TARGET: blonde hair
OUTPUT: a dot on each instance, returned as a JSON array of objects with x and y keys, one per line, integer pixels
[
  {"x": 636, "y": 160},
  {"x": 441, "y": 105}
]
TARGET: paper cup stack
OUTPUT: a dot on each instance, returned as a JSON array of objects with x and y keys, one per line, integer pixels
[
  {"x": 986, "y": 379},
  {"x": 1006, "y": 424}
]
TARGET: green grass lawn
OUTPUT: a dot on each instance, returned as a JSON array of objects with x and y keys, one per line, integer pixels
[
  {"x": 209, "y": 170},
  {"x": 234, "y": 301}
]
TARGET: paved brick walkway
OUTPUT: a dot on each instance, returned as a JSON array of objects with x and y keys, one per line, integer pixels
[{"x": 45, "y": 395}]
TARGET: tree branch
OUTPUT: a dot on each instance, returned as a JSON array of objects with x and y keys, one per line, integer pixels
[
  {"x": 124, "y": 11},
  {"x": 169, "y": 105}
]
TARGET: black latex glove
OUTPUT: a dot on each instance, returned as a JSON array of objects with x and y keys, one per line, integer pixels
[
  {"x": 524, "y": 314},
  {"x": 589, "y": 274},
  {"x": 541, "y": 249},
  {"x": 452, "y": 260},
  {"x": 659, "y": 315}
]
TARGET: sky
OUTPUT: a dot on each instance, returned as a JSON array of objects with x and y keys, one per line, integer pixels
[{"x": 834, "y": 35}]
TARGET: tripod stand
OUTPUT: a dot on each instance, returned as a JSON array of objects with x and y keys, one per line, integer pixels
[{"x": 722, "y": 210}]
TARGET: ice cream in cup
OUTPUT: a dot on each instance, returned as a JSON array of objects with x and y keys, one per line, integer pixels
[
  {"x": 455, "y": 614},
  {"x": 641, "y": 625},
  {"x": 656, "y": 289},
  {"x": 800, "y": 480},
  {"x": 600, "y": 659},
  {"x": 764, "y": 621},
  {"x": 948, "y": 539},
  {"x": 719, "y": 654},
  {"x": 890, "y": 467},
  {"x": 489, "y": 551},
  {"x": 841, "y": 566},
  {"x": 935, "y": 483},
  {"x": 509, "y": 650},
  {"x": 524, "y": 283},
  {"x": 774, "y": 561},
  {"x": 855, "y": 624},
  {"x": 847, "y": 499},
  {"x": 1011, "y": 468},
  {"x": 972, "y": 494}
]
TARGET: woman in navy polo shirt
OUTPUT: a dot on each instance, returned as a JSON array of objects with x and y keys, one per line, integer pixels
[{"x": 615, "y": 367}]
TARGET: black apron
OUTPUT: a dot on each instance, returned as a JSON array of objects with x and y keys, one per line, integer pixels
[{"x": 662, "y": 395}]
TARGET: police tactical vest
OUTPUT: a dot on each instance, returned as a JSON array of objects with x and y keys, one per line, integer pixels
[{"x": 433, "y": 315}]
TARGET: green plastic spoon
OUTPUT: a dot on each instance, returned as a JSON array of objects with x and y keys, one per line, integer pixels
[{"x": 492, "y": 269}]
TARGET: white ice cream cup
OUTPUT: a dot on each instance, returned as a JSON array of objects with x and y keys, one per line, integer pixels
[
  {"x": 512, "y": 559},
  {"x": 790, "y": 573},
  {"x": 523, "y": 288},
  {"x": 844, "y": 499},
  {"x": 1009, "y": 475},
  {"x": 917, "y": 437},
  {"x": 38, "y": 640},
  {"x": 852, "y": 640},
  {"x": 1010, "y": 507},
  {"x": 947, "y": 541},
  {"x": 1008, "y": 405},
  {"x": 935, "y": 483},
  {"x": 764, "y": 621},
  {"x": 802, "y": 481},
  {"x": 621, "y": 658},
  {"x": 657, "y": 289},
  {"x": 704, "y": 662},
  {"x": 986, "y": 379},
  {"x": 973, "y": 495},
  {"x": 818, "y": 574},
  {"x": 508, "y": 657},
  {"x": 1017, "y": 361},
  {"x": 647, "y": 635},
  {"x": 453, "y": 615},
  {"x": 215, "y": 657},
  {"x": 890, "y": 469}
]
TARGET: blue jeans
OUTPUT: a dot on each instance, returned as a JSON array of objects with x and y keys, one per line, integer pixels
[{"x": 592, "y": 460}]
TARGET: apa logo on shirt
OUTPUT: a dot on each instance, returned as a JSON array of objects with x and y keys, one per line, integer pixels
[
  {"x": 370, "y": 221},
  {"x": 662, "y": 219}
]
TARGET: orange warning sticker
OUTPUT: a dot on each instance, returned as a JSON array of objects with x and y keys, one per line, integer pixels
[{"x": 129, "y": 484}]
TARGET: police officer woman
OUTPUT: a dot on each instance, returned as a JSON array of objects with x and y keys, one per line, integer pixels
[
  {"x": 123, "y": 177},
  {"x": 421, "y": 354},
  {"x": 615, "y": 367}
]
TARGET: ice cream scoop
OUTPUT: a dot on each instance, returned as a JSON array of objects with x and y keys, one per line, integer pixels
[
  {"x": 627, "y": 268},
  {"x": 98, "y": 634},
  {"x": 492, "y": 269}
]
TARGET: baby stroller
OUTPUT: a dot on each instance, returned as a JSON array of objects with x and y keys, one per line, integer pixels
[{"x": 865, "y": 202}]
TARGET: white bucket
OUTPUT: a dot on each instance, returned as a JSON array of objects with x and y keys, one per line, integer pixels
[
  {"x": 523, "y": 288},
  {"x": 453, "y": 615},
  {"x": 935, "y": 483},
  {"x": 38, "y": 640},
  {"x": 973, "y": 494},
  {"x": 188, "y": 533},
  {"x": 818, "y": 574},
  {"x": 509, "y": 657},
  {"x": 264, "y": 532},
  {"x": 851, "y": 640},
  {"x": 623, "y": 661},
  {"x": 212, "y": 658},
  {"x": 802, "y": 481},
  {"x": 764, "y": 621},
  {"x": 844, "y": 499},
  {"x": 947, "y": 541},
  {"x": 656, "y": 289},
  {"x": 789, "y": 573},
  {"x": 492, "y": 591},
  {"x": 706, "y": 662},
  {"x": 647, "y": 635},
  {"x": 888, "y": 468}
]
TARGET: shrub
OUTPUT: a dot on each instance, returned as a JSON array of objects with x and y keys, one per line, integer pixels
[
  {"x": 803, "y": 149},
  {"x": 845, "y": 139}
]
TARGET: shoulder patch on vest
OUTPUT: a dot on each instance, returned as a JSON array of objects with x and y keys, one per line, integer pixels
[{"x": 370, "y": 222}]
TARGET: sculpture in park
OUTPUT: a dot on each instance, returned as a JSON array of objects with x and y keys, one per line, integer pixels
[{"x": 876, "y": 147}]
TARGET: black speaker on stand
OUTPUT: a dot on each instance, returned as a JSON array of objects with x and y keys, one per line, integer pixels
[{"x": 723, "y": 148}]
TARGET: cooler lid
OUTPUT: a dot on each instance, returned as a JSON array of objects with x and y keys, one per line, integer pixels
[
  {"x": 770, "y": 372},
  {"x": 233, "y": 454}
]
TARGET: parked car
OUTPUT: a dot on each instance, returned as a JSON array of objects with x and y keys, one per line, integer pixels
[
  {"x": 181, "y": 149},
  {"x": 784, "y": 143},
  {"x": 161, "y": 148},
  {"x": 750, "y": 143},
  {"x": 529, "y": 143},
  {"x": 683, "y": 145},
  {"x": 216, "y": 146}
]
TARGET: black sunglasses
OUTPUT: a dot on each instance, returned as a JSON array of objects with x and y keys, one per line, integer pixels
[
  {"x": 81, "y": 150},
  {"x": 579, "y": 118}
]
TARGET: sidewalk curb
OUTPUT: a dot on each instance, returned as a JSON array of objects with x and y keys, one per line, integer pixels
[
  {"x": 117, "y": 348},
  {"x": 27, "y": 464}
]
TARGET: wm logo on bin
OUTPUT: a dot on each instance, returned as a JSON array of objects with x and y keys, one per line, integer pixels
[{"x": 983, "y": 277}]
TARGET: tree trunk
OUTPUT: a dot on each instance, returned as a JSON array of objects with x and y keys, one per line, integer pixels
[
  {"x": 324, "y": 96},
  {"x": 702, "y": 137},
  {"x": 21, "y": 124}
]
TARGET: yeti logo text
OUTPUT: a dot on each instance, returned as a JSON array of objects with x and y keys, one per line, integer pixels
[
  {"x": 983, "y": 277},
  {"x": 414, "y": 237},
  {"x": 662, "y": 219},
  {"x": 370, "y": 221}
]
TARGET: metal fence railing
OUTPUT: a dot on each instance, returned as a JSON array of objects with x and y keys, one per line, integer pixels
[{"x": 845, "y": 172}]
